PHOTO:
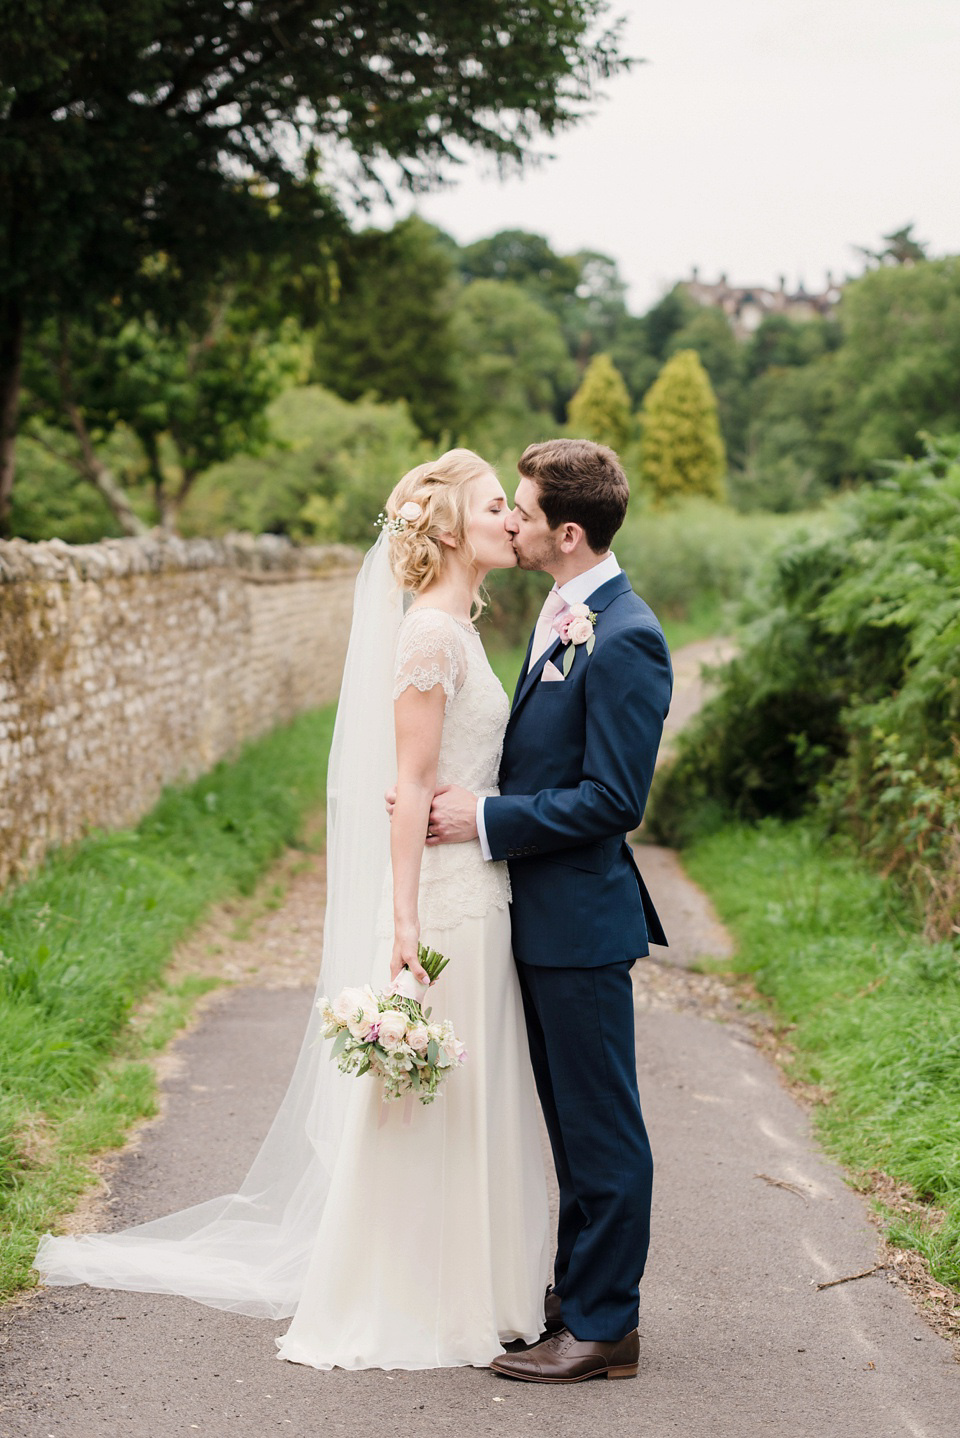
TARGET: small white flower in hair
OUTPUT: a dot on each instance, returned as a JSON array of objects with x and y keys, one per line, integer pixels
[{"x": 407, "y": 514}]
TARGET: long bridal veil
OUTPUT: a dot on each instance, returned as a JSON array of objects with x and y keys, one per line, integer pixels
[{"x": 247, "y": 1251}]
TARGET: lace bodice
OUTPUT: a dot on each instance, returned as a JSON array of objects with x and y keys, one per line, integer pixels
[{"x": 433, "y": 648}]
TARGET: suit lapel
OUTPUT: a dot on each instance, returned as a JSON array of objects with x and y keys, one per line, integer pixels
[
  {"x": 597, "y": 601},
  {"x": 522, "y": 675},
  {"x": 530, "y": 676}
]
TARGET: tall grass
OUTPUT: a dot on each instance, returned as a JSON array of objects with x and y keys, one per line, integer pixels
[
  {"x": 92, "y": 932},
  {"x": 873, "y": 1010}
]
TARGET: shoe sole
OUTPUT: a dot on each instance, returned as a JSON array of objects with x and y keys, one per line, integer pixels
[{"x": 628, "y": 1370}]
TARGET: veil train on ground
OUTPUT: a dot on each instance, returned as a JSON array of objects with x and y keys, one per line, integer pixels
[{"x": 247, "y": 1252}]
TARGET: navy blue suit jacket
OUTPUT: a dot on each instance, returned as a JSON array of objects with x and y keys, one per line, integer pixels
[{"x": 578, "y": 758}]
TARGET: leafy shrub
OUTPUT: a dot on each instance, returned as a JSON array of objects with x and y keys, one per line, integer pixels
[
  {"x": 847, "y": 688},
  {"x": 327, "y": 478}
]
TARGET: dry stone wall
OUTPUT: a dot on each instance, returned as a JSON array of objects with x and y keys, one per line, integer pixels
[{"x": 135, "y": 663}]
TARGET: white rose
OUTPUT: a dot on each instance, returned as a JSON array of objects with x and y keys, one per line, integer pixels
[
  {"x": 579, "y": 631},
  {"x": 410, "y": 511},
  {"x": 358, "y": 1009},
  {"x": 393, "y": 1029},
  {"x": 347, "y": 1002},
  {"x": 579, "y": 611},
  {"x": 418, "y": 1038}
]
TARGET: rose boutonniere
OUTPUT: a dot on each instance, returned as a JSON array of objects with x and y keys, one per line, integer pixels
[{"x": 575, "y": 627}]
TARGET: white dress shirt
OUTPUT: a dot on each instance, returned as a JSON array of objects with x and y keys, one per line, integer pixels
[{"x": 576, "y": 591}]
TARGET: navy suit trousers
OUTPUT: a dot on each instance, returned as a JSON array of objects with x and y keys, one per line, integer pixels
[{"x": 580, "y": 1025}]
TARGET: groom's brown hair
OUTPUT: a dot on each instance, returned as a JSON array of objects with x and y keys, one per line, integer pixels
[{"x": 578, "y": 482}]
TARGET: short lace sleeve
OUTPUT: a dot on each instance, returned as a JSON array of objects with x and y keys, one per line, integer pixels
[{"x": 430, "y": 651}]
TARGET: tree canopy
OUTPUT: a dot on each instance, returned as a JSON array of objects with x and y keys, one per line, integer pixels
[
  {"x": 512, "y": 362},
  {"x": 197, "y": 130},
  {"x": 386, "y": 330},
  {"x": 898, "y": 370}
]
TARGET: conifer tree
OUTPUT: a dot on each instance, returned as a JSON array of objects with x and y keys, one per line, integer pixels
[
  {"x": 682, "y": 450},
  {"x": 600, "y": 409}
]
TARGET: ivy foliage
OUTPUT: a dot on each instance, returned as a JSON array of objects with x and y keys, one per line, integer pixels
[{"x": 847, "y": 687}]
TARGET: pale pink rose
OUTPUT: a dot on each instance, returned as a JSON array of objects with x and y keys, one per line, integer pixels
[
  {"x": 452, "y": 1052},
  {"x": 418, "y": 1037},
  {"x": 579, "y": 611},
  {"x": 562, "y": 626},
  {"x": 579, "y": 630},
  {"x": 410, "y": 511},
  {"x": 393, "y": 1029}
]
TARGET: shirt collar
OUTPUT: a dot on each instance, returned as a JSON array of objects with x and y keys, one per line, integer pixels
[{"x": 579, "y": 589}]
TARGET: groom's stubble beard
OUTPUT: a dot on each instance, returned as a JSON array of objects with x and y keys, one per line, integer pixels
[{"x": 541, "y": 558}]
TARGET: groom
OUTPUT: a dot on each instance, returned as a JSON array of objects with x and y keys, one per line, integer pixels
[{"x": 578, "y": 758}]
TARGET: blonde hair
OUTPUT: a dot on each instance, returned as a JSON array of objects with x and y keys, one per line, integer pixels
[{"x": 440, "y": 487}]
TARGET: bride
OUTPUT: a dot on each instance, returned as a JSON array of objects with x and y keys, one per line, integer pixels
[{"x": 398, "y": 1235}]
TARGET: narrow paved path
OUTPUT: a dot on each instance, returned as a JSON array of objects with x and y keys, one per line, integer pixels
[{"x": 737, "y": 1341}]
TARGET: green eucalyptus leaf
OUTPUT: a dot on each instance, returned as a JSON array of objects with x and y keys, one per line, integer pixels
[{"x": 568, "y": 659}]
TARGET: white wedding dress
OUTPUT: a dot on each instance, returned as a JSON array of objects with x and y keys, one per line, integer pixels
[
  {"x": 396, "y": 1235},
  {"x": 432, "y": 1249}
]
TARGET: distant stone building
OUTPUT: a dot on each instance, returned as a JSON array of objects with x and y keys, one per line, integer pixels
[{"x": 746, "y": 306}]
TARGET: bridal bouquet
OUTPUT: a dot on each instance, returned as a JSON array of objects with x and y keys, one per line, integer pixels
[{"x": 390, "y": 1036}]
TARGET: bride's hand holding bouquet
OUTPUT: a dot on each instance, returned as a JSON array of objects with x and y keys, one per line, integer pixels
[
  {"x": 390, "y": 1035},
  {"x": 406, "y": 952}
]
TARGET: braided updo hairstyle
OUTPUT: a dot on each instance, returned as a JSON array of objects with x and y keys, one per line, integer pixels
[{"x": 441, "y": 488}]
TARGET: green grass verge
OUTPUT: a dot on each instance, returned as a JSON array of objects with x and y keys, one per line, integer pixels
[
  {"x": 874, "y": 1011},
  {"x": 91, "y": 934}
]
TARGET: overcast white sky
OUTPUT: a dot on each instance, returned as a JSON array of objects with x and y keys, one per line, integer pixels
[{"x": 761, "y": 137}]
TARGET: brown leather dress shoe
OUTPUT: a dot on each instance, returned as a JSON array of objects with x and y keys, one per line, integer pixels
[
  {"x": 552, "y": 1317},
  {"x": 561, "y": 1358}
]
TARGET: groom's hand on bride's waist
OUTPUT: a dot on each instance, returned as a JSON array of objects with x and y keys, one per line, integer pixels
[{"x": 453, "y": 815}]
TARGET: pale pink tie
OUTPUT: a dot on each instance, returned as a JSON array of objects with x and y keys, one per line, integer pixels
[{"x": 545, "y": 634}]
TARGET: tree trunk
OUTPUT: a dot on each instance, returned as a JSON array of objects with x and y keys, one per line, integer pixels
[
  {"x": 169, "y": 513},
  {"x": 152, "y": 450},
  {"x": 112, "y": 491},
  {"x": 91, "y": 465},
  {"x": 11, "y": 353}
]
